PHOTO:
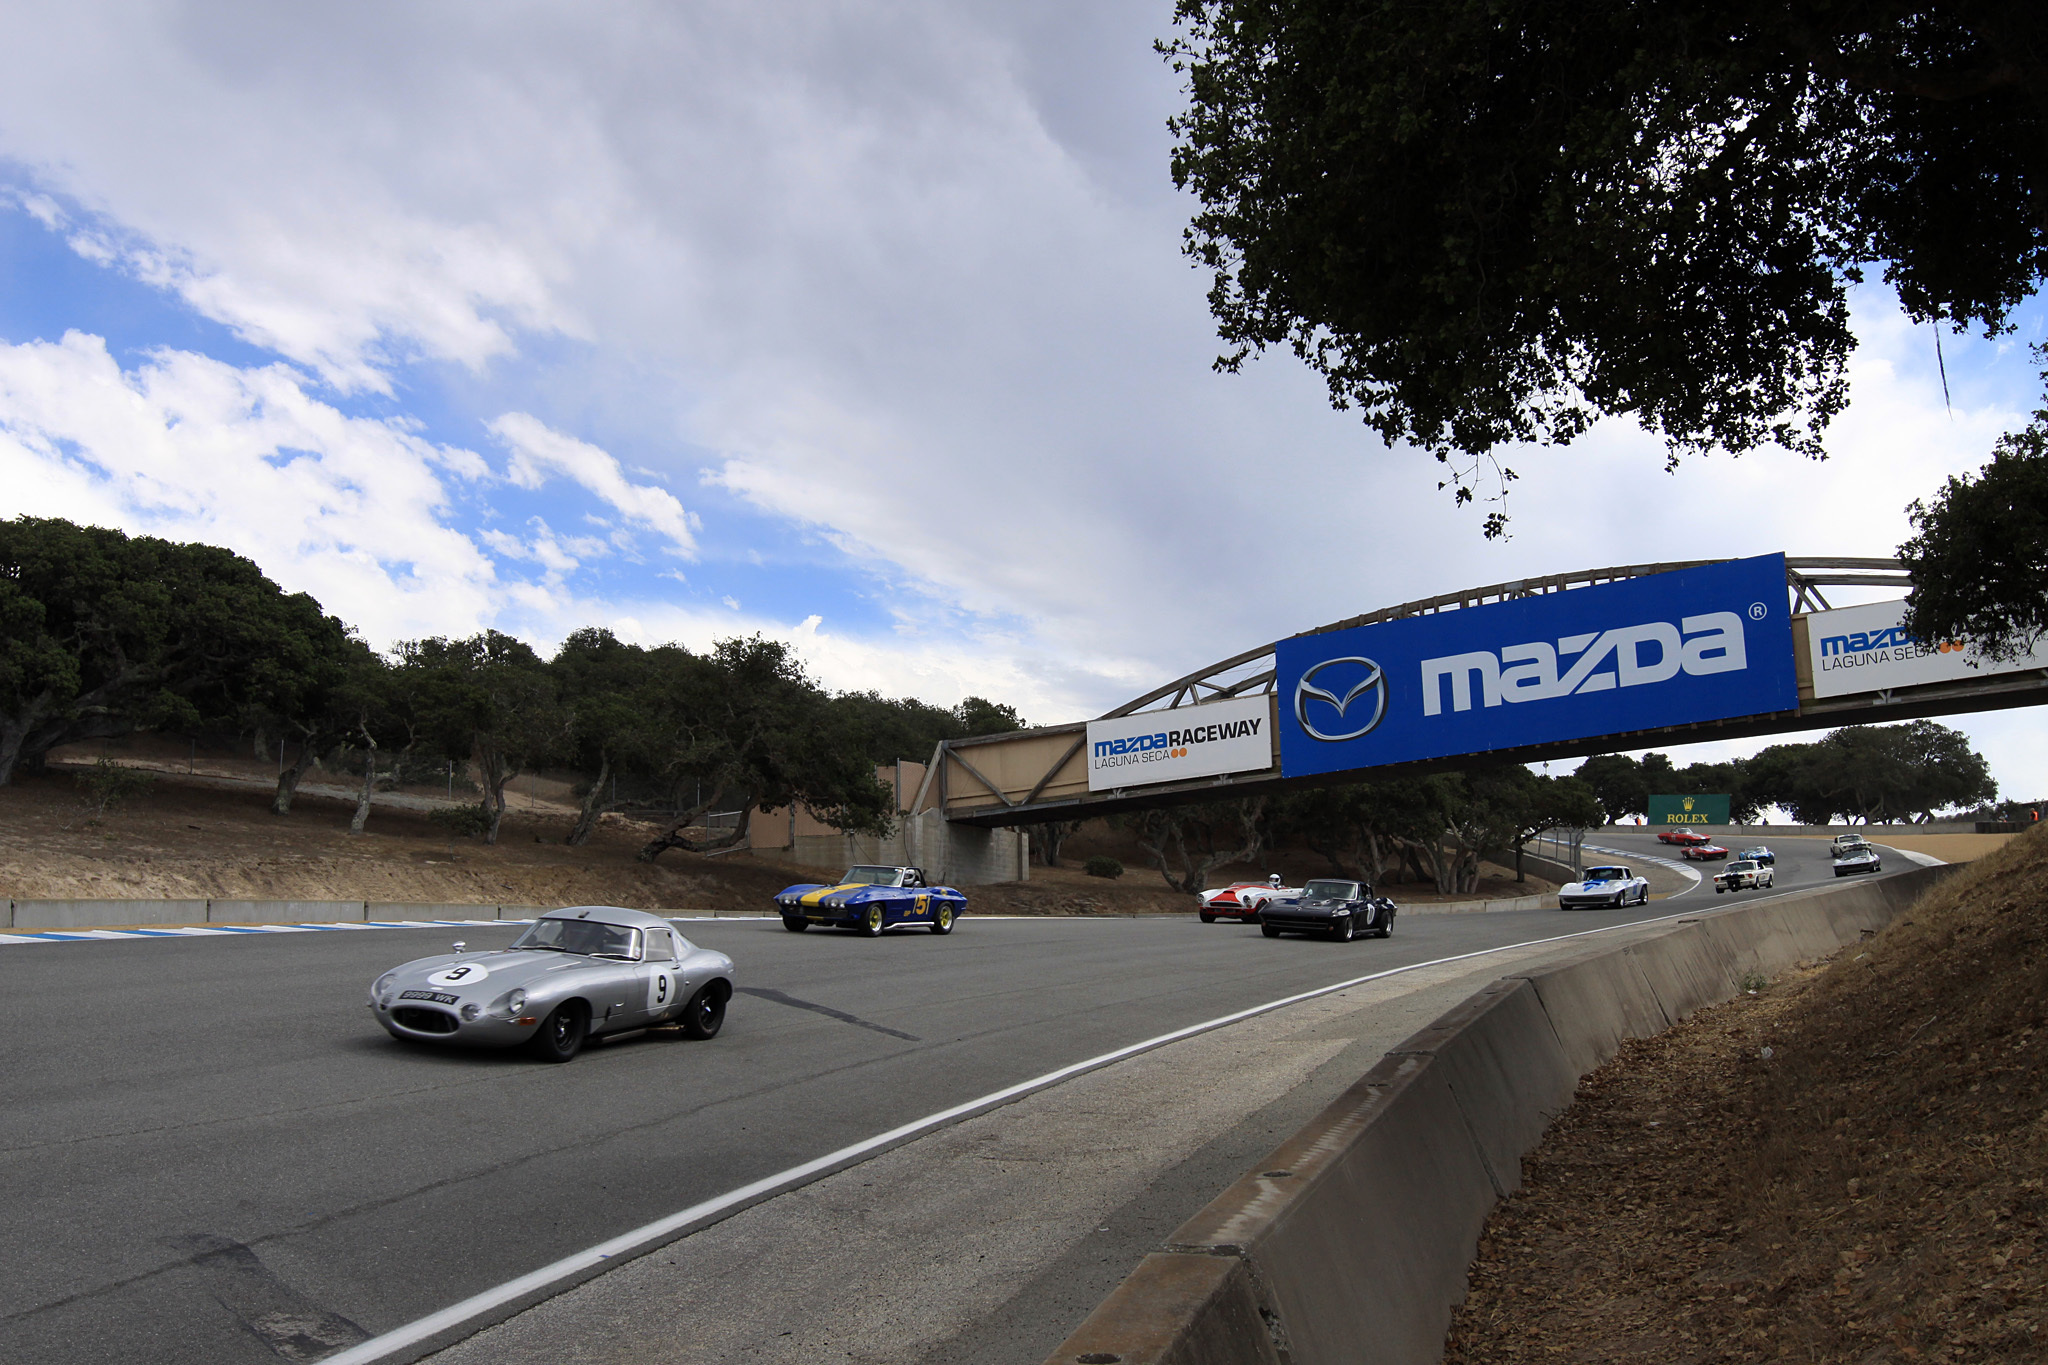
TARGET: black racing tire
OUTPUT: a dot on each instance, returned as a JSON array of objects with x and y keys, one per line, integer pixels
[
  {"x": 1207, "y": 918},
  {"x": 872, "y": 919},
  {"x": 942, "y": 919},
  {"x": 1269, "y": 930},
  {"x": 1344, "y": 930},
  {"x": 562, "y": 1034},
  {"x": 796, "y": 924},
  {"x": 705, "y": 1014}
]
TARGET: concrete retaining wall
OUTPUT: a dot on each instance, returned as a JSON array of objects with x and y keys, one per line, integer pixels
[
  {"x": 1479, "y": 907},
  {"x": 1350, "y": 1241},
  {"x": 284, "y": 912},
  {"x": 89, "y": 914},
  {"x": 86, "y": 914}
]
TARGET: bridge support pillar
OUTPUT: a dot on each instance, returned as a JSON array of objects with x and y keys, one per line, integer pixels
[{"x": 950, "y": 854}]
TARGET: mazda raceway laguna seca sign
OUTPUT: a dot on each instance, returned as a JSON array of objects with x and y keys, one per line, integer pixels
[
  {"x": 1865, "y": 649},
  {"x": 1184, "y": 742},
  {"x": 1676, "y": 648}
]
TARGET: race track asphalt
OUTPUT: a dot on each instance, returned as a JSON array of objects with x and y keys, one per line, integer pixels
[{"x": 213, "y": 1155}]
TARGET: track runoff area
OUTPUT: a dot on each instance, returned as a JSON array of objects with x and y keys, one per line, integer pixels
[{"x": 217, "y": 1156}]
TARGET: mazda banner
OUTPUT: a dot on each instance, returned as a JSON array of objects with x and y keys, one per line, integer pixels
[{"x": 1676, "y": 648}]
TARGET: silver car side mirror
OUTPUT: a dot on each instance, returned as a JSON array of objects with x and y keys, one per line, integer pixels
[{"x": 458, "y": 945}]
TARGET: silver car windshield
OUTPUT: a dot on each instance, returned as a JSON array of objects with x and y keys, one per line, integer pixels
[
  {"x": 1606, "y": 874},
  {"x": 587, "y": 938},
  {"x": 1330, "y": 891},
  {"x": 1742, "y": 867},
  {"x": 872, "y": 876}
]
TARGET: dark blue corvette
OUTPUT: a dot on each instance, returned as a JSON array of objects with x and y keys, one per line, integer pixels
[
  {"x": 1337, "y": 909},
  {"x": 872, "y": 899}
]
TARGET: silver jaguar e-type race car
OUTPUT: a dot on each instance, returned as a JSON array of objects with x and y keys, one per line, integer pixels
[{"x": 573, "y": 975}]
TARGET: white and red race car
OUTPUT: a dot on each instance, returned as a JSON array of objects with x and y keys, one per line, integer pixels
[{"x": 1240, "y": 901}]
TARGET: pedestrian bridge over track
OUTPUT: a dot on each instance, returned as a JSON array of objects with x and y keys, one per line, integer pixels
[{"x": 1042, "y": 774}]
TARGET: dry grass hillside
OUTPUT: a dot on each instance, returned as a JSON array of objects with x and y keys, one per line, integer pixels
[
  {"x": 212, "y": 835},
  {"x": 208, "y": 832},
  {"x": 1849, "y": 1166}
]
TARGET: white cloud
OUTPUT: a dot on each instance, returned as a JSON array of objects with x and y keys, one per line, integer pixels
[
  {"x": 192, "y": 449},
  {"x": 538, "y": 453}
]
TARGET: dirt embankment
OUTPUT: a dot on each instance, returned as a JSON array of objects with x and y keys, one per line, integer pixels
[
  {"x": 183, "y": 841},
  {"x": 212, "y": 836},
  {"x": 1850, "y": 1165},
  {"x": 208, "y": 832}
]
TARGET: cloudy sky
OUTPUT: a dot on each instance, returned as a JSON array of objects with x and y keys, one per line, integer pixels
[{"x": 861, "y": 323}]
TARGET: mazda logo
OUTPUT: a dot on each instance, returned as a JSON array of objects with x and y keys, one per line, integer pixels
[{"x": 1374, "y": 684}]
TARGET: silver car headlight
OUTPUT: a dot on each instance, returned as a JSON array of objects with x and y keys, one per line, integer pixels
[
  {"x": 471, "y": 1011},
  {"x": 515, "y": 1003}
]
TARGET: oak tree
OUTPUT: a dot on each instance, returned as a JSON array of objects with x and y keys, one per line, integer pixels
[{"x": 1485, "y": 222}]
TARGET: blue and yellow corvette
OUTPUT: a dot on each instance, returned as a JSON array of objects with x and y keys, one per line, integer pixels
[{"x": 872, "y": 899}]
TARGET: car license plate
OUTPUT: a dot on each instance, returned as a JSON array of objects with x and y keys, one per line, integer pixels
[{"x": 438, "y": 997}]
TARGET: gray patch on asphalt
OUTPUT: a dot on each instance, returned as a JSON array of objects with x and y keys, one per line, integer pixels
[{"x": 272, "y": 1311}]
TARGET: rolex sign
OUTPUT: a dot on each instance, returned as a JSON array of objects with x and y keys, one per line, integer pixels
[{"x": 1688, "y": 810}]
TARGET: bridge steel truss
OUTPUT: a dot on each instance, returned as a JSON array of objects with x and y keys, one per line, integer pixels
[{"x": 1034, "y": 776}]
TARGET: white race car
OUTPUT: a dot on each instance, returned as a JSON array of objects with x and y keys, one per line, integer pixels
[
  {"x": 1603, "y": 886},
  {"x": 1745, "y": 874},
  {"x": 1242, "y": 901}
]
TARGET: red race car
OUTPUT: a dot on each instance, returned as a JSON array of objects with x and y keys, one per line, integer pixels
[
  {"x": 1703, "y": 852},
  {"x": 1240, "y": 901},
  {"x": 1680, "y": 836}
]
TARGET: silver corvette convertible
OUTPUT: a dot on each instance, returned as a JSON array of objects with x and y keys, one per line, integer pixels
[{"x": 573, "y": 975}]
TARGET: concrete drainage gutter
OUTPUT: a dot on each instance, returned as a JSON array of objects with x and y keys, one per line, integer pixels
[{"x": 1350, "y": 1242}]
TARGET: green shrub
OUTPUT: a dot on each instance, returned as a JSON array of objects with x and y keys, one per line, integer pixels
[
  {"x": 1103, "y": 866},
  {"x": 109, "y": 784},
  {"x": 466, "y": 820}
]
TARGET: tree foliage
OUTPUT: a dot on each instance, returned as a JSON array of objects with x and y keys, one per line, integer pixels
[
  {"x": 102, "y": 633},
  {"x": 750, "y": 727},
  {"x": 896, "y": 728},
  {"x": 1493, "y": 221},
  {"x": 1860, "y": 772},
  {"x": 1187, "y": 843},
  {"x": 1873, "y": 773},
  {"x": 489, "y": 697},
  {"x": 1979, "y": 551}
]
